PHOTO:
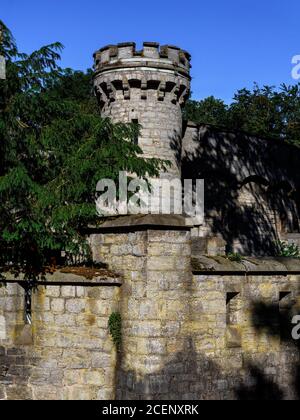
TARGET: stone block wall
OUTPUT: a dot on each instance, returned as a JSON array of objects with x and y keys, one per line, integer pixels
[
  {"x": 210, "y": 329},
  {"x": 240, "y": 335},
  {"x": 67, "y": 352},
  {"x": 161, "y": 121},
  {"x": 200, "y": 336},
  {"x": 156, "y": 269}
]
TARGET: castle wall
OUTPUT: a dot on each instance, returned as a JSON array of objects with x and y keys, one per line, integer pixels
[
  {"x": 210, "y": 335},
  {"x": 192, "y": 327},
  {"x": 252, "y": 187},
  {"x": 238, "y": 350},
  {"x": 67, "y": 352}
]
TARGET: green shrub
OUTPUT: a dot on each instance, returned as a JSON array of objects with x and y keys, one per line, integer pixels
[
  {"x": 115, "y": 328},
  {"x": 235, "y": 256},
  {"x": 286, "y": 249}
]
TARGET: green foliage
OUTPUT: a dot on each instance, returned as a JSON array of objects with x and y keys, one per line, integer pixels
[
  {"x": 115, "y": 328},
  {"x": 54, "y": 148},
  {"x": 266, "y": 112},
  {"x": 286, "y": 249},
  {"x": 235, "y": 257},
  {"x": 209, "y": 111}
]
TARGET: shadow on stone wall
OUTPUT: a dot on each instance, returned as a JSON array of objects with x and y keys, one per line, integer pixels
[
  {"x": 189, "y": 374},
  {"x": 229, "y": 162},
  {"x": 15, "y": 370},
  {"x": 270, "y": 319},
  {"x": 228, "y": 373},
  {"x": 263, "y": 389},
  {"x": 193, "y": 376}
]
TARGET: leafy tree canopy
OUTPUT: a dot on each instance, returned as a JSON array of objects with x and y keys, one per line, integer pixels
[
  {"x": 266, "y": 112},
  {"x": 54, "y": 148}
]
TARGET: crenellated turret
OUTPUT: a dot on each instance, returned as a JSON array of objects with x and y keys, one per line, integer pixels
[
  {"x": 165, "y": 57},
  {"x": 148, "y": 87},
  {"x": 121, "y": 68}
]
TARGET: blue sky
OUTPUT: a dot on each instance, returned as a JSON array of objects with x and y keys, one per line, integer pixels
[{"x": 233, "y": 42}]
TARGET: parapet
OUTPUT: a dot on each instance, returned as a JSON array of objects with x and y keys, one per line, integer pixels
[{"x": 152, "y": 55}]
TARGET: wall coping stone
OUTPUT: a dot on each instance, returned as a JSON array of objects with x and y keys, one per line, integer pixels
[
  {"x": 215, "y": 129},
  {"x": 61, "y": 278},
  {"x": 143, "y": 222},
  {"x": 248, "y": 266}
]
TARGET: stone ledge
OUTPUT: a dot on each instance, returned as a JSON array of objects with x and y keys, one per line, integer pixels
[
  {"x": 248, "y": 266},
  {"x": 69, "y": 277},
  {"x": 143, "y": 222}
]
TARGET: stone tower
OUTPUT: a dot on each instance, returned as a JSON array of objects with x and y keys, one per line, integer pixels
[{"x": 147, "y": 87}]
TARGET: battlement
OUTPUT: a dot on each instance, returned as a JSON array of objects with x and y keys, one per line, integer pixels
[
  {"x": 152, "y": 55},
  {"x": 148, "y": 87}
]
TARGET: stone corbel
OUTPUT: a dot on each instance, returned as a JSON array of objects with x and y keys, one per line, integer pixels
[
  {"x": 126, "y": 88},
  {"x": 101, "y": 96},
  {"x": 162, "y": 91},
  {"x": 183, "y": 95},
  {"x": 144, "y": 89},
  {"x": 175, "y": 93},
  {"x": 111, "y": 92}
]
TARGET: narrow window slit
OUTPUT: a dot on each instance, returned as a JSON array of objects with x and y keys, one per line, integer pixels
[
  {"x": 28, "y": 303},
  {"x": 233, "y": 320},
  {"x": 136, "y": 138}
]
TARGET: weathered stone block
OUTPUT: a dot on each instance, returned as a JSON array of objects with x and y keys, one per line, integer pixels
[
  {"x": 18, "y": 393},
  {"x": 80, "y": 291},
  {"x": 79, "y": 393},
  {"x": 68, "y": 291},
  {"x": 105, "y": 394},
  {"x": 75, "y": 306},
  {"x": 95, "y": 377},
  {"x": 102, "y": 360},
  {"x": 65, "y": 320},
  {"x": 2, "y": 393},
  {"x": 47, "y": 392},
  {"x": 161, "y": 263},
  {"x": 53, "y": 291},
  {"x": 57, "y": 305}
]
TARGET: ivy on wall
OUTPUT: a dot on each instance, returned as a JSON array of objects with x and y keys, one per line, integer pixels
[{"x": 115, "y": 326}]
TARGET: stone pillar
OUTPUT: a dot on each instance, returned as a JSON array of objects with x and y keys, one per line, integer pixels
[{"x": 155, "y": 307}]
